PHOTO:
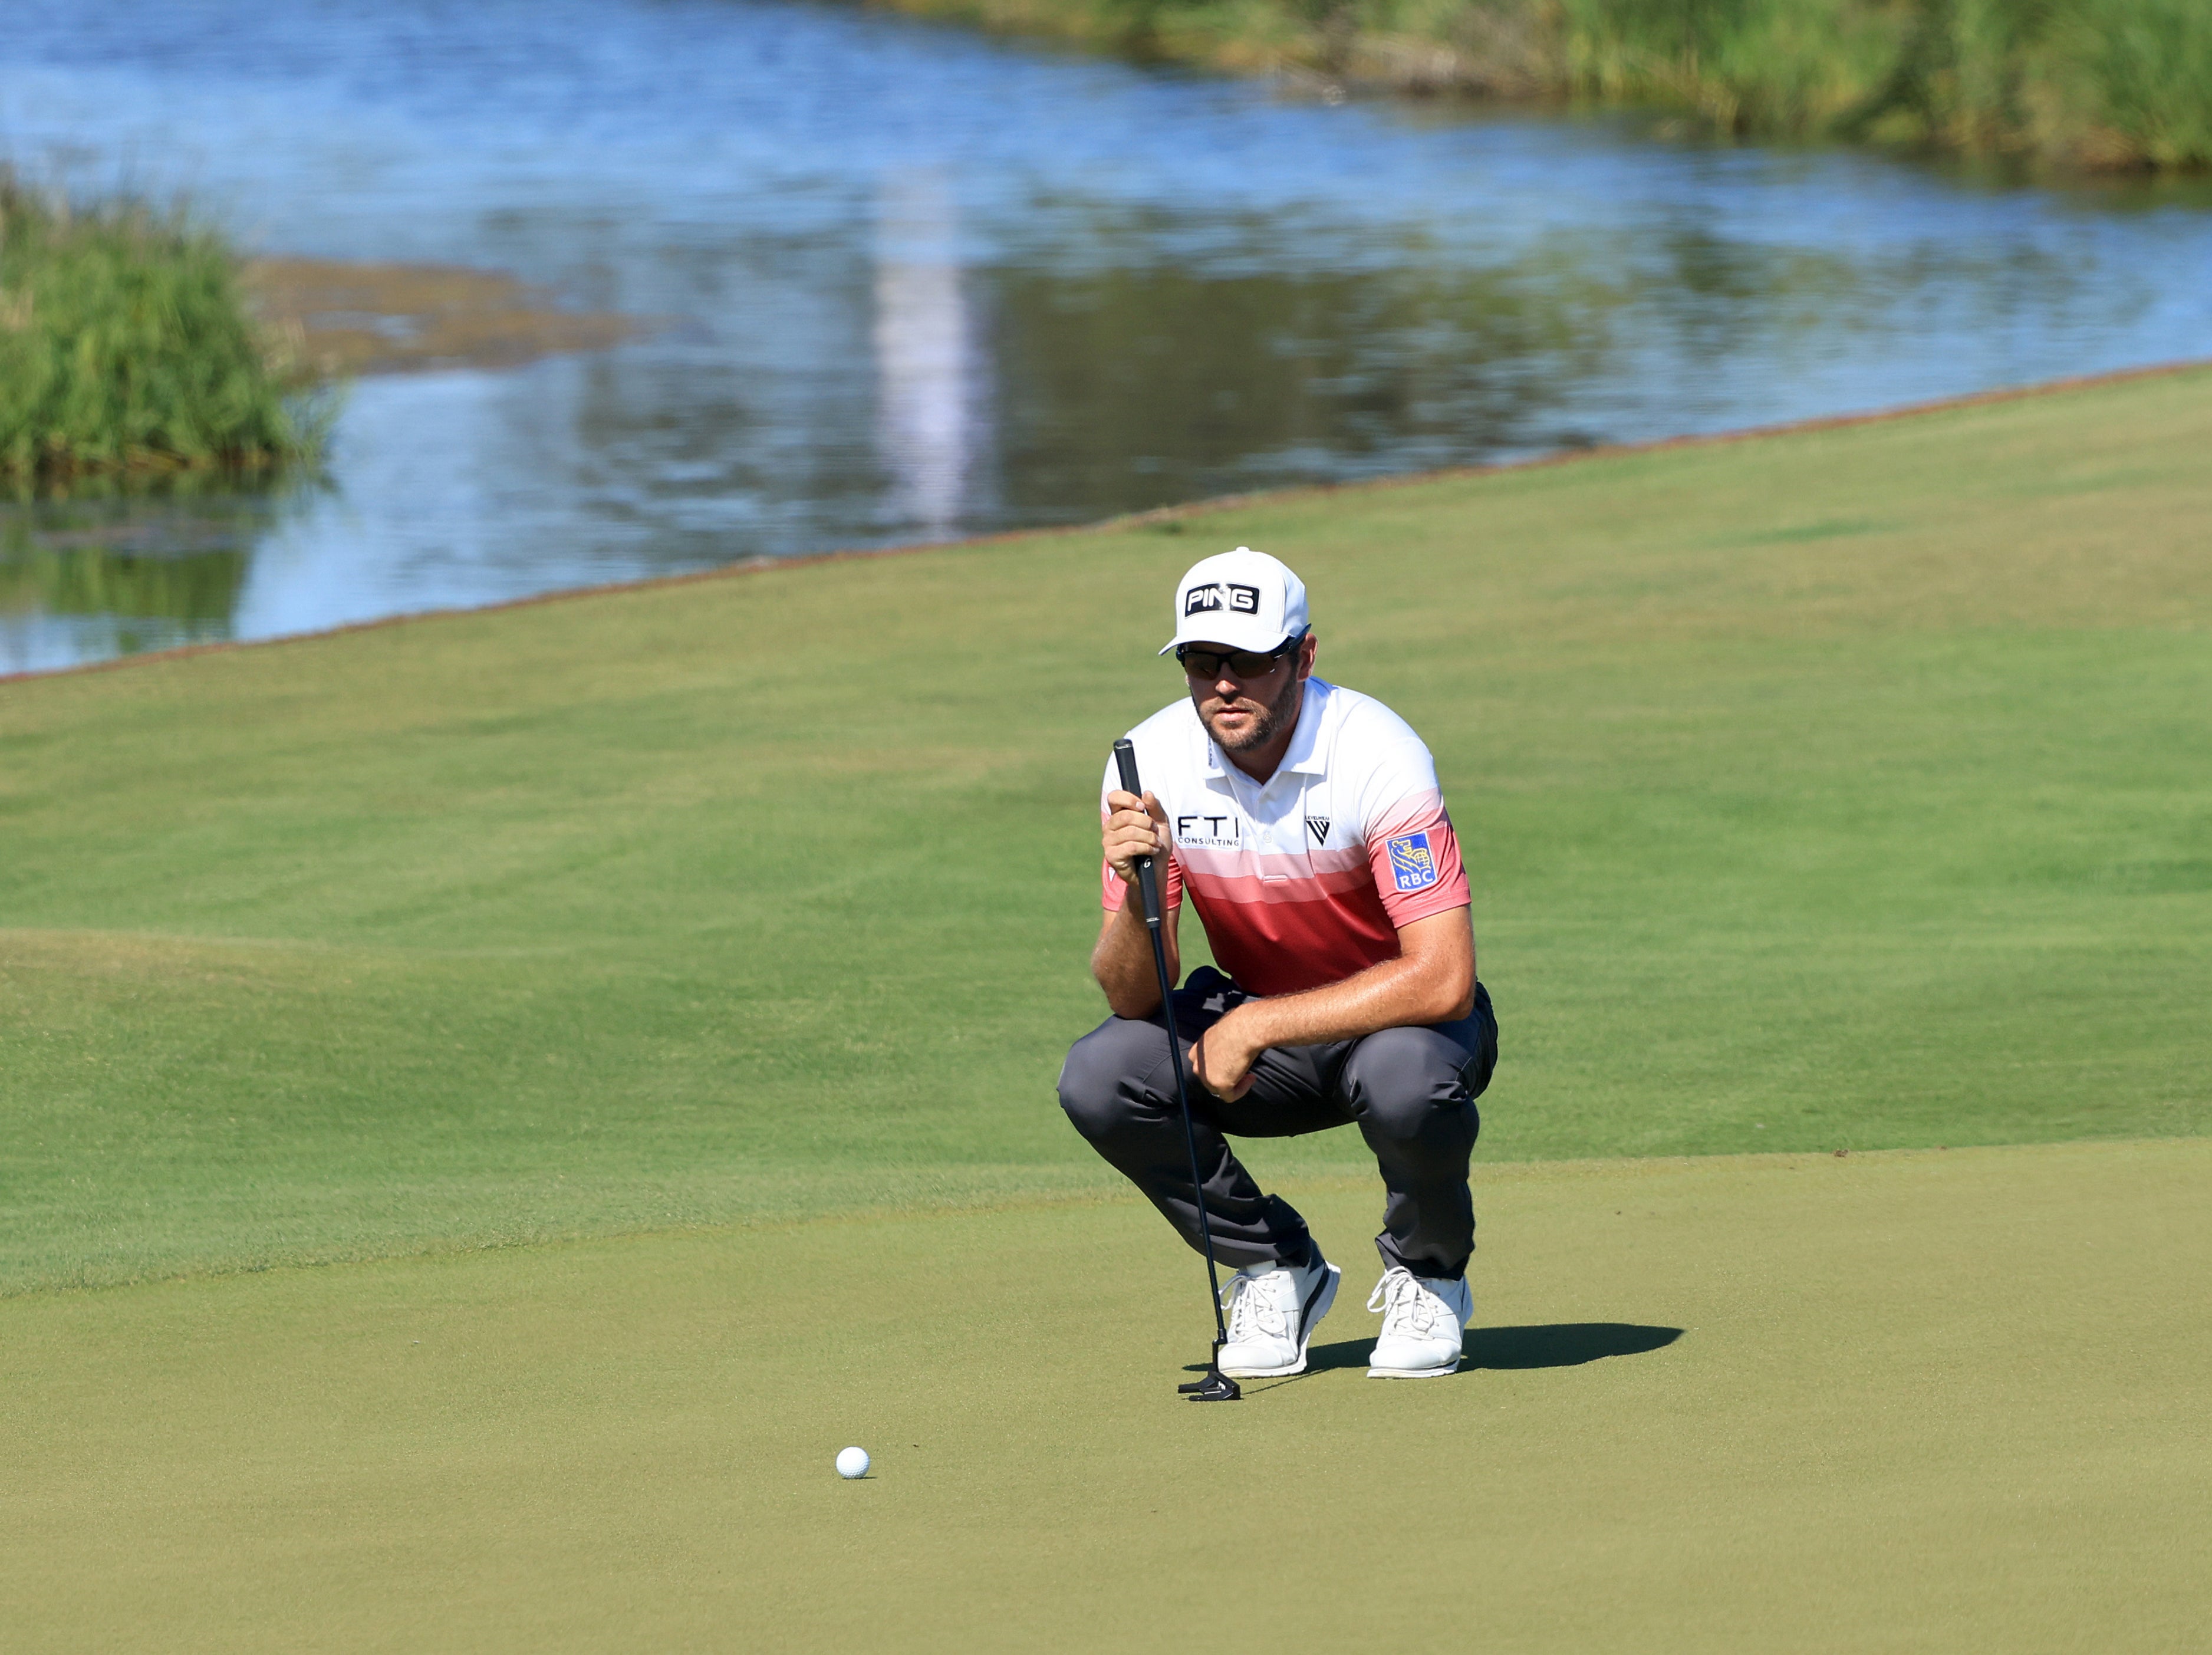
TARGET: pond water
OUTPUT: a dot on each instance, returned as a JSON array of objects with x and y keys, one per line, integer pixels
[{"x": 908, "y": 283}]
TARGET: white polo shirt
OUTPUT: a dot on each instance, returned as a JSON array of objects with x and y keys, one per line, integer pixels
[{"x": 1306, "y": 880}]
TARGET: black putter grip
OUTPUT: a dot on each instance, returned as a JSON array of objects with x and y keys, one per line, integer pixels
[{"x": 1148, "y": 877}]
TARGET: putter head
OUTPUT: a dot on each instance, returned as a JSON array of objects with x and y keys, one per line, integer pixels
[{"x": 1215, "y": 1387}]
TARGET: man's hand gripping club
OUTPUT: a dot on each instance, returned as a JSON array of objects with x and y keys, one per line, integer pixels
[{"x": 1221, "y": 1060}]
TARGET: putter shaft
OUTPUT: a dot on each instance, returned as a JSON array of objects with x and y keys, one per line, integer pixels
[{"x": 1215, "y": 1386}]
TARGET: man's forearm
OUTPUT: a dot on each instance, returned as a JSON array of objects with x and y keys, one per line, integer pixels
[
  {"x": 1123, "y": 961},
  {"x": 1433, "y": 983},
  {"x": 1393, "y": 995}
]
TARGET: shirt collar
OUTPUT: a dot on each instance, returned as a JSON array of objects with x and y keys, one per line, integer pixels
[{"x": 1305, "y": 753}]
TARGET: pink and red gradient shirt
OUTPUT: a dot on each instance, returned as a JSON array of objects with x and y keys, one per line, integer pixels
[{"x": 1305, "y": 879}]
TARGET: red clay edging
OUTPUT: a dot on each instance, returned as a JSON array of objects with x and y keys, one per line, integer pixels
[{"x": 1157, "y": 514}]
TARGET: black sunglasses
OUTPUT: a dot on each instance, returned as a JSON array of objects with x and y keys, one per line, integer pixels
[{"x": 1241, "y": 664}]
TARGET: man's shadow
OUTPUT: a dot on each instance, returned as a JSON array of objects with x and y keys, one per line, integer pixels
[{"x": 1551, "y": 1344}]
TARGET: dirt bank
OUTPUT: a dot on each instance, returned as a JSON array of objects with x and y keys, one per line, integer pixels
[{"x": 350, "y": 318}]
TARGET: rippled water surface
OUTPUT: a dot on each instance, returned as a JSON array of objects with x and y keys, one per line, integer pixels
[{"x": 907, "y": 284}]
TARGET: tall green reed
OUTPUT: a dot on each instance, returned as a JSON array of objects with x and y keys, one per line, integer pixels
[
  {"x": 2081, "y": 83},
  {"x": 126, "y": 347},
  {"x": 2098, "y": 83}
]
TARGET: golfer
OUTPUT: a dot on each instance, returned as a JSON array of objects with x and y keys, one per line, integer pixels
[{"x": 1305, "y": 822}]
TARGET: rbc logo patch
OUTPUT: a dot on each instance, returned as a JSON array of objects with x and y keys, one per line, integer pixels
[{"x": 1412, "y": 863}]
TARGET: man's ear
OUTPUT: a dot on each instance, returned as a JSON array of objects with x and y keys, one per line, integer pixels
[{"x": 1306, "y": 656}]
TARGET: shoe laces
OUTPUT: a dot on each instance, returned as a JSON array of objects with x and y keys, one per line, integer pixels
[
  {"x": 1409, "y": 1310},
  {"x": 1255, "y": 1310}
]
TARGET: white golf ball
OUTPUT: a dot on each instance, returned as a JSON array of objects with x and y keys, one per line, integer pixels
[{"x": 853, "y": 1462}]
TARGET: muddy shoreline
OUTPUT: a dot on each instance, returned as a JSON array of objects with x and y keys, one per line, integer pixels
[{"x": 340, "y": 319}]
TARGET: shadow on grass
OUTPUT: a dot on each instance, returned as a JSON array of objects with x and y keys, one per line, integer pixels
[
  {"x": 1562, "y": 1344},
  {"x": 1551, "y": 1344}
]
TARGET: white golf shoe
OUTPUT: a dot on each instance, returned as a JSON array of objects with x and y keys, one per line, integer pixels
[
  {"x": 1272, "y": 1309},
  {"x": 1422, "y": 1320}
]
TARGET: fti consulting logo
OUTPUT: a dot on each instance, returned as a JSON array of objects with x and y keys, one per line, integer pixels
[{"x": 1413, "y": 864}]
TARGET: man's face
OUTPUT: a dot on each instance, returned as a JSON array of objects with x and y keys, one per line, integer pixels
[{"x": 1241, "y": 712}]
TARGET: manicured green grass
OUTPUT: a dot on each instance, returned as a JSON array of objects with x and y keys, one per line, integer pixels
[
  {"x": 1929, "y": 1401},
  {"x": 126, "y": 349},
  {"x": 1850, "y": 787}
]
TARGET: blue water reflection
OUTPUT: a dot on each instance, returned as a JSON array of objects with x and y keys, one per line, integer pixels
[{"x": 912, "y": 284}]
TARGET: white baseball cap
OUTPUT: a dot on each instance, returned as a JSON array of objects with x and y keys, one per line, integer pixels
[{"x": 1243, "y": 600}]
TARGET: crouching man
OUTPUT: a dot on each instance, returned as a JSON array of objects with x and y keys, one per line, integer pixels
[{"x": 1305, "y": 822}]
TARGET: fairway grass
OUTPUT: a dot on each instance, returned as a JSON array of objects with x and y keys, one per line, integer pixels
[
  {"x": 1924, "y": 1401},
  {"x": 1850, "y": 787}
]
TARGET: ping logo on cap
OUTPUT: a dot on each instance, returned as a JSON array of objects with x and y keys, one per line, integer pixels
[
  {"x": 1413, "y": 864},
  {"x": 1231, "y": 595}
]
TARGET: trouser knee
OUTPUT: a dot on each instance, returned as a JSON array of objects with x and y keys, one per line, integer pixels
[
  {"x": 1411, "y": 1084},
  {"x": 1103, "y": 1081}
]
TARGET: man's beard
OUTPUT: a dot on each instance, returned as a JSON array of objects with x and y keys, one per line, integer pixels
[{"x": 1265, "y": 726}]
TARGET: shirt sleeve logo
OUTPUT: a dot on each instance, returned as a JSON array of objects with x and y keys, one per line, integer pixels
[{"x": 1413, "y": 864}]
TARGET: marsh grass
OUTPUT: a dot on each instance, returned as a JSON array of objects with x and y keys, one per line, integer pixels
[
  {"x": 2099, "y": 84},
  {"x": 2084, "y": 84},
  {"x": 127, "y": 350}
]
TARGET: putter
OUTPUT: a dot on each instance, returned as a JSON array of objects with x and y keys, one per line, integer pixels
[{"x": 1215, "y": 1386}]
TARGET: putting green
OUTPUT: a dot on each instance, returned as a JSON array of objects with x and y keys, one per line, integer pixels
[{"x": 1932, "y": 1399}]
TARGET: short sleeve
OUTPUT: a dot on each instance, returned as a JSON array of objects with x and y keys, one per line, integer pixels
[{"x": 1411, "y": 848}]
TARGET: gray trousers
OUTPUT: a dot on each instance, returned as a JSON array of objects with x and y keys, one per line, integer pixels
[{"x": 1411, "y": 1093}]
